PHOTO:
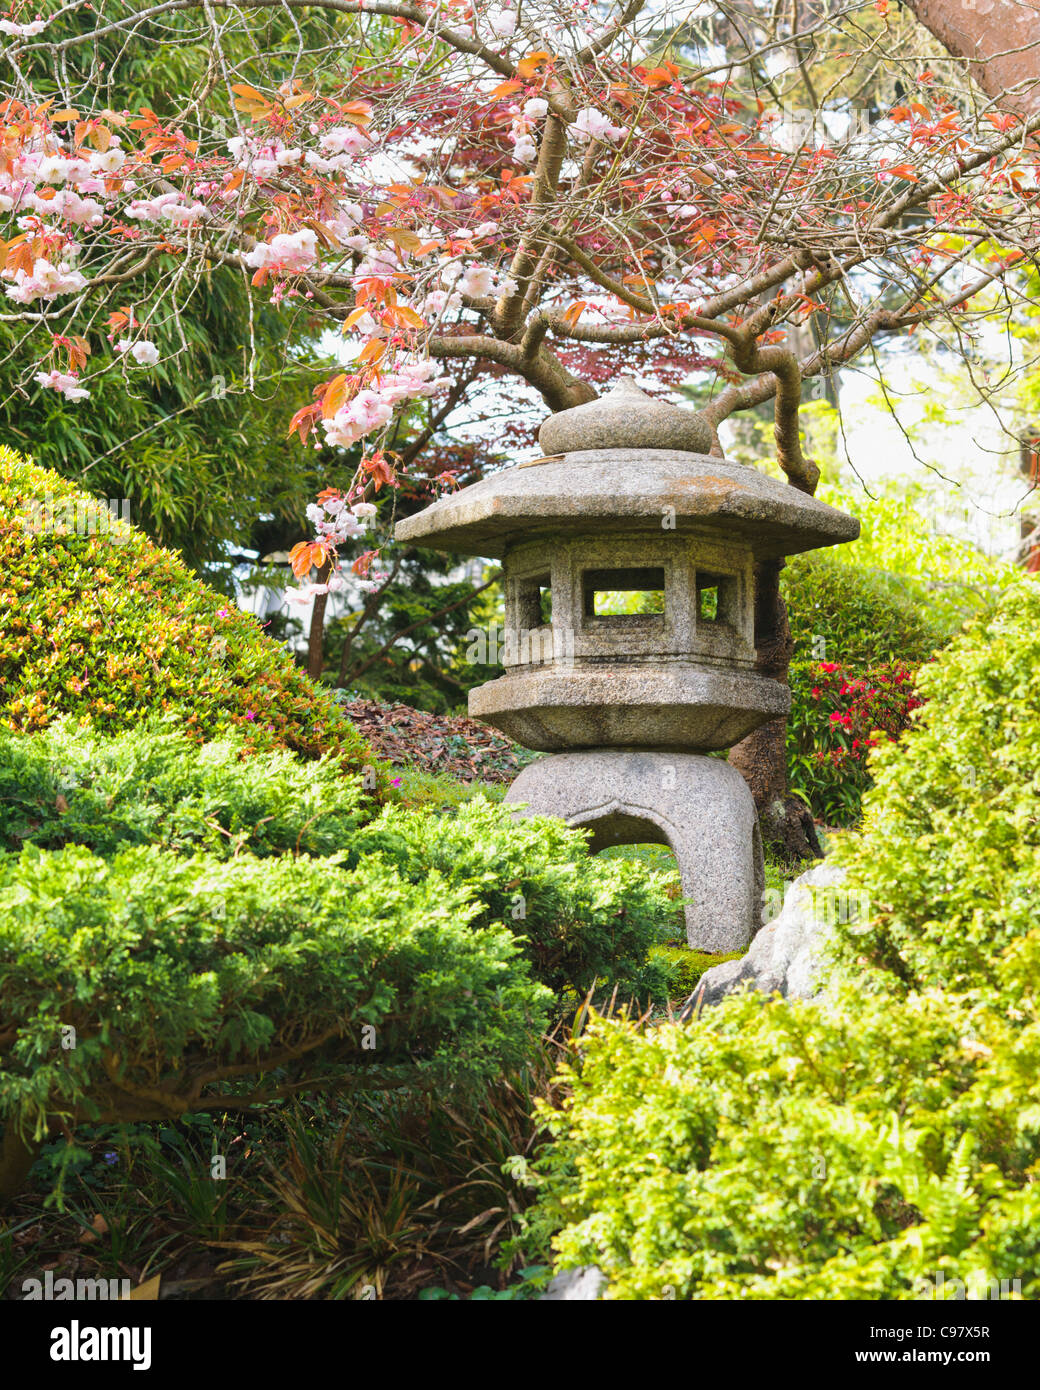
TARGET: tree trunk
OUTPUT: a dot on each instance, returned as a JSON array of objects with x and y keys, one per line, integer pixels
[
  {"x": 17, "y": 1157},
  {"x": 761, "y": 758},
  {"x": 999, "y": 41},
  {"x": 316, "y": 636}
]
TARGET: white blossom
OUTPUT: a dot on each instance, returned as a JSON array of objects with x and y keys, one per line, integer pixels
[
  {"x": 66, "y": 383},
  {"x": 590, "y": 124},
  {"x": 502, "y": 21}
]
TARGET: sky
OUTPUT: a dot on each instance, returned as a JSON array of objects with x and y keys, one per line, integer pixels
[{"x": 945, "y": 441}]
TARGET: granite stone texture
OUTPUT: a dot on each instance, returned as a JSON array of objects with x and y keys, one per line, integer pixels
[
  {"x": 662, "y": 568},
  {"x": 679, "y": 678},
  {"x": 625, "y": 418},
  {"x": 582, "y": 1285},
  {"x": 699, "y": 806},
  {"x": 648, "y": 705},
  {"x": 621, "y": 491}
]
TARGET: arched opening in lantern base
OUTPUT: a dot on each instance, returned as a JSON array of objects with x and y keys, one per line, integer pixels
[
  {"x": 657, "y": 856},
  {"x": 697, "y": 806},
  {"x": 617, "y": 824}
]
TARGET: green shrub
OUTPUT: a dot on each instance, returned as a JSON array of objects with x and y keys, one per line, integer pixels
[
  {"x": 787, "y": 1151},
  {"x": 67, "y": 785},
  {"x": 851, "y": 627},
  {"x": 949, "y": 854},
  {"x": 109, "y": 628},
  {"x": 585, "y": 919},
  {"x": 859, "y": 617},
  {"x": 580, "y": 919},
  {"x": 198, "y": 983}
]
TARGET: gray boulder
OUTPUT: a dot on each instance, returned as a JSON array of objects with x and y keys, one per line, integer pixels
[
  {"x": 584, "y": 1284},
  {"x": 786, "y": 955}
]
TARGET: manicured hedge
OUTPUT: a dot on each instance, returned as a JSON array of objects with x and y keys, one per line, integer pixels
[
  {"x": 860, "y": 635},
  {"x": 950, "y": 847},
  {"x": 99, "y": 623},
  {"x": 587, "y": 921},
  {"x": 67, "y": 785},
  {"x": 189, "y": 980},
  {"x": 217, "y": 928},
  {"x": 582, "y": 920},
  {"x": 858, "y": 617}
]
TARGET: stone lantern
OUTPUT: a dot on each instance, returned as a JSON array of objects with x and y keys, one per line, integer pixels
[{"x": 628, "y": 564}]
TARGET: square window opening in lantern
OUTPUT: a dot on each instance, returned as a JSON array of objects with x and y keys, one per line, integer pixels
[
  {"x": 534, "y": 603},
  {"x": 632, "y": 596},
  {"x": 716, "y": 600}
]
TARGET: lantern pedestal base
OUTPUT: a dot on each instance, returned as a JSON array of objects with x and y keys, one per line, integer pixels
[{"x": 699, "y": 806}]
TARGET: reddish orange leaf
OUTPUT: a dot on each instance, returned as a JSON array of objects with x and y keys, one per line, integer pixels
[
  {"x": 373, "y": 351},
  {"x": 354, "y": 317},
  {"x": 409, "y": 317},
  {"x": 402, "y": 238},
  {"x": 306, "y": 555},
  {"x": 527, "y": 67},
  {"x": 360, "y": 112},
  {"x": 303, "y": 421},
  {"x": 334, "y": 396}
]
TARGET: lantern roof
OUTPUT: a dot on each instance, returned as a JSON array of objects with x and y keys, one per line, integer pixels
[{"x": 627, "y": 462}]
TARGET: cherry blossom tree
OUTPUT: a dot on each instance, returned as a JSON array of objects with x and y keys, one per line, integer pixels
[{"x": 552, "y": 188}]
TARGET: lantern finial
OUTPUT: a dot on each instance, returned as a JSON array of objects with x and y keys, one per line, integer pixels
[{"x": 625, "y": 418}]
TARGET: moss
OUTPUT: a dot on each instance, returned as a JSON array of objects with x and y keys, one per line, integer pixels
[
  {"x": 685, "y": 967},
  {"x": 110, "y": 629}
]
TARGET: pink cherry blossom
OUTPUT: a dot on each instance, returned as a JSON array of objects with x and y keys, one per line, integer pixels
[
  {"x": 590, "y": 124},
  {"x": 64, "y": 382}
]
